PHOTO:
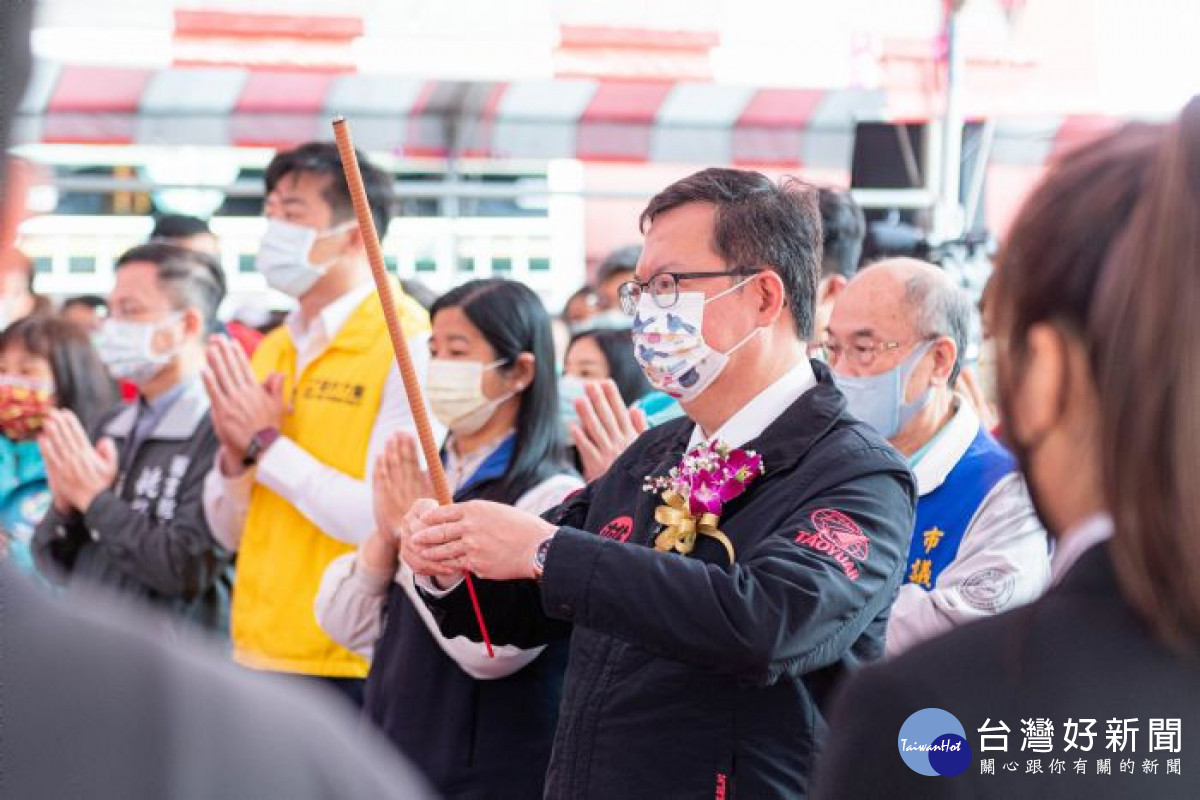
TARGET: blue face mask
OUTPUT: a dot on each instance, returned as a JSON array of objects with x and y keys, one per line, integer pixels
[
  {"x": 659, "y": 408},
  {"x": 570, "y": 389},
  {"x": 878, "y": 400}
]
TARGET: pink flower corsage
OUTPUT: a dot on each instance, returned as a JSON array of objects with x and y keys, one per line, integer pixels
[{"x": 695, "y": 492}]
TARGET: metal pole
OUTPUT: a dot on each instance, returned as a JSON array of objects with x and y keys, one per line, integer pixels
[{"x": 948, "y": 212}]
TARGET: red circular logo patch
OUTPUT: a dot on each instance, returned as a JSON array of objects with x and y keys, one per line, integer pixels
[{"x": 619, "y": 529}]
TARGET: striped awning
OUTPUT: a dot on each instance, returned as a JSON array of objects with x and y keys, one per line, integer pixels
[{"x": 627, "y": 121}]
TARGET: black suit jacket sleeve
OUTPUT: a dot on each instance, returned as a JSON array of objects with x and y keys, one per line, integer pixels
[
  {"x": 512, "y": 610},
  {"x": 782, "y": 608}
]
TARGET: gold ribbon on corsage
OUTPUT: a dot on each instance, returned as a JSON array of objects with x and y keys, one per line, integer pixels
[{"x": 682, "y": 527}]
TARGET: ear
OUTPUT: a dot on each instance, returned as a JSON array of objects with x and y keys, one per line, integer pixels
[
  {"x": 522, "y": 371},
  {"x": 830, "y": 287},
  {"x": 193, "y": 324},
  {"x": 945, "y": 353},
  {"x": 1039, "y": 390},
  {"x": 772, "y": 297}
]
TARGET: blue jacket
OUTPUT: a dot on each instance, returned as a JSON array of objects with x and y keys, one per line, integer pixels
[{"x": 24, "y": 497}]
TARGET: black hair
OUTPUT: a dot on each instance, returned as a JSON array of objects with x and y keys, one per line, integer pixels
[
  {"x": 81, "y": 382},
  {"x": 623, "y": 259},
  {"x": 178, "y": 226},
  {"x": 617, "y": 347},
  {"x": 322, "y": 158},
  {"x": 758, "y": 224},
  {"x": 843, "y": 229},
  {"x": 93, "y": 301},
  {"x": 513, "y": 321},
  {"x": 190, "y": 278},
  {"x": 584, "y": 292}
]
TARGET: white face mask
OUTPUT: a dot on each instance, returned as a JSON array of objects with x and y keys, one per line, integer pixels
[
  {"x": 455, "y": 392},
  {"x": 127, "y": 348},
  {"x": 283, "y": 256},
  {"x": 669, "y": 344}
]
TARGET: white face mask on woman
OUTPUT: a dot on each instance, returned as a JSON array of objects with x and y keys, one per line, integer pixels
[{"x": 455, "y": 392}]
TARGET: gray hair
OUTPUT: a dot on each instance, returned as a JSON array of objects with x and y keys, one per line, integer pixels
[
  {"x": 190, "y": 279},
  {"x": 941, "y": 309}
]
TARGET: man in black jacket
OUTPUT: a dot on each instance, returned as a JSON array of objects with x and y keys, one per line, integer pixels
[
  {"x": 702, "y": 650},
  {"x": 127, "y": 511}
]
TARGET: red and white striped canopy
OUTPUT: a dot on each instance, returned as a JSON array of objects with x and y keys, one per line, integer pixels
[{"x": 593, "y": 120}]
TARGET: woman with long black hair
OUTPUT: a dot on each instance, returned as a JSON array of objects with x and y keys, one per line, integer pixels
[{"x": 478, "y": 727}]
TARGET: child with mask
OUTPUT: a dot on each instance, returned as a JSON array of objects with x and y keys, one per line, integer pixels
[
  {"x": 45, "y": 363},
  {"x": 478, "y": 727}
]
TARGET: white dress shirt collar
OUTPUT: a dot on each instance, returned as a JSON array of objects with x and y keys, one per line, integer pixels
[
  {"x": 1071, "y": 546},
  {"x": 947, "y": 448},
  {"x": 330, "y": 319},
  {"x": 753, "y": 418}
]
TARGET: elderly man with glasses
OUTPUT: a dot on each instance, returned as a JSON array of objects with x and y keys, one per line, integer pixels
[{"x": 894, "y": 342}]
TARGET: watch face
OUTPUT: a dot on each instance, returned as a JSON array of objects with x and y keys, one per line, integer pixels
[{"x": 540, "y": 555}]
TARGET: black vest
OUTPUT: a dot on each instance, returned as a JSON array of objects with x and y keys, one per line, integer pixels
[{"x": 473, "y": 739}]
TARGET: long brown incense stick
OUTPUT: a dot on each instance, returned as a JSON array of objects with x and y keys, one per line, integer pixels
[{"x": 412, "y": 387}]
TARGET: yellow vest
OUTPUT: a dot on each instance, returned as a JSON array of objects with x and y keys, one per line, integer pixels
[{"x": 282, "y": 554}]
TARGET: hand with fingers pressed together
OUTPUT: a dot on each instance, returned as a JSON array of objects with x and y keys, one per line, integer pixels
[
  {"x": 76, "y": 471},
  {"x": 491, "y": 540},
  {"x": 397, "y": 483},
  {"x": 241, "y": 406},
  {"x": 605, "y": 429}
]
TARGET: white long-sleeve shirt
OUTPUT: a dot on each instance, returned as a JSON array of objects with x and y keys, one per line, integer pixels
[
  {"x": 1003, "y": 560},
  {"x": 337, "y": 503},
  {"x": 352, "y": 599}
]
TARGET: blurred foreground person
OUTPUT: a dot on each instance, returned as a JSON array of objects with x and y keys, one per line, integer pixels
[
  {"x": 1094, "y": 312},
  {"x": 106, "y": 710}
]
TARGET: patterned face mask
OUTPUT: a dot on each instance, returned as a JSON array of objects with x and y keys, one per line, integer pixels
[
  {"x": 24, "y": 405},
  {"x": 670, "y": 347}
]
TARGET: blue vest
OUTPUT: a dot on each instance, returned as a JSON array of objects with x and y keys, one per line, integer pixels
[{"x": 944, "y": 514}]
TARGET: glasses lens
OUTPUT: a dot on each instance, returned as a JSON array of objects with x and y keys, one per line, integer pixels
[
  {"x": 665, "y": 289},
  {"x": 627, "y": 296}
]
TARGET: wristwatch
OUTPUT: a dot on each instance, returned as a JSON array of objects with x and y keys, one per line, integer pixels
[
  {"x": 539, "y": 557},
  {"x": 259, "y": 443}
]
